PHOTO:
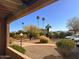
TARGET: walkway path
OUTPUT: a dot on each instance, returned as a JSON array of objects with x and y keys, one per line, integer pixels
[{"x": 41, "y": 51}]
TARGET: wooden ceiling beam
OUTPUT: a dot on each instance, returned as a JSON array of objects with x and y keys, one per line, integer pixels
[
  {"x": 3, "y": 13},
  {"x": 6, "y": 12},
  {"x": 18, "y": 1},
  {"x": 3, "y": 8},
  {"x": 14, "y": 2},
  {"x": 9, "y": 6}
]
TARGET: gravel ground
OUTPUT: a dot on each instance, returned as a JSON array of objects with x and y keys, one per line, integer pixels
[{"x": 42, "y": 52}]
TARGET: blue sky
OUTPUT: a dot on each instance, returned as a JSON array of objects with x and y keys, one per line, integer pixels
[{"x": 57, "y": 15}]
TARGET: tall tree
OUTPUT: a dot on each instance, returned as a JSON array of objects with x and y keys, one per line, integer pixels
[
  {"x": 33, "y": 30},
  {"x": 22, "y": 23},
  {"x": 73, "y": 24},
  {"x": 43, "y": 19},
  {"x": 47, "y": 28},
  {"x": 38, "y": 20}
]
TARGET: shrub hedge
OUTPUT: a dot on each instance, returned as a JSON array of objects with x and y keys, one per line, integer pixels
[{"x": 18, "y": 48}]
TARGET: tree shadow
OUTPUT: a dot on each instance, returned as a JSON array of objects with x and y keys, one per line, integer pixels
[
  {"x": 73, "y": 55},
  {"x": 39, "y": 43},
  {"x": 52, "y": 57}
]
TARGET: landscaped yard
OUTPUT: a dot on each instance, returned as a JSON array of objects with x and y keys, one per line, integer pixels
[
  {"x": 44, "y": 46},
  {"x": 45, "y": 51},
  {"x": 48, "y": 52}
]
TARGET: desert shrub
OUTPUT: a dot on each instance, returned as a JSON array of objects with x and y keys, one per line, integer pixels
[
  {"x": 55, "y": 35},
  {"x": 18, "y": 36},
  {"x": 65, "y": 46},
  {"x": 50, "y": 35},
  {"x": 18, "y": 48},
  {"x": 69, "y": 33},
  {"x": 62, "y": 35},
  {"x": 11, "y": 40},
  {"x": 24, "y": 36},
  {"x": 12, "y": 34},
  {"x": 41, "y": 33},
  {"x": 44, "y": 39},
  {"x": 68, "y": 44}
]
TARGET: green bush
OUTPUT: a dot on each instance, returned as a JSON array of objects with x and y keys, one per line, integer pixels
[
  {"x": 62, "y": 35},
  {"x": 65, "y": 46},
  {"x": 44, "y": 39},
  {"x": 18, "y": 48},
  {"x": 12, "y": 34}
]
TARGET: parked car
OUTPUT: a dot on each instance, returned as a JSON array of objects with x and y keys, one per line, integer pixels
[{"x": 73, "y": 37}]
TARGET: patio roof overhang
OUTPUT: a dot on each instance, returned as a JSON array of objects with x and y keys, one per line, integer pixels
[{"x": 11, "y": 10}]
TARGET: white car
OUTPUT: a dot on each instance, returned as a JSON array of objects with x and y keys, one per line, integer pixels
[{"x": 73, "y": 37}]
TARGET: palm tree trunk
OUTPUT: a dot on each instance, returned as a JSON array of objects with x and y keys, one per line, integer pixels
[{"x": 38, "y": 23}]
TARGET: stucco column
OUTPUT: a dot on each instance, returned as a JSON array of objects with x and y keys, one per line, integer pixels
[
  {"x": 3, "y": 36},
  {"x": 7, "y": 34}
]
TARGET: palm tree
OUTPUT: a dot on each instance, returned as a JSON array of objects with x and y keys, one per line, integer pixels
[
  {"x": 43, "y": 19},
  {"x": 38, "y": 20},
  {"x": 21, "y": 34},
  {"x": 47, "y": 28},
  {"x": 22, "y": 23}
]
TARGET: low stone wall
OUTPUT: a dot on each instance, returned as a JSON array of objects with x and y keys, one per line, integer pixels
[{"x": 15, "y": 54}]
